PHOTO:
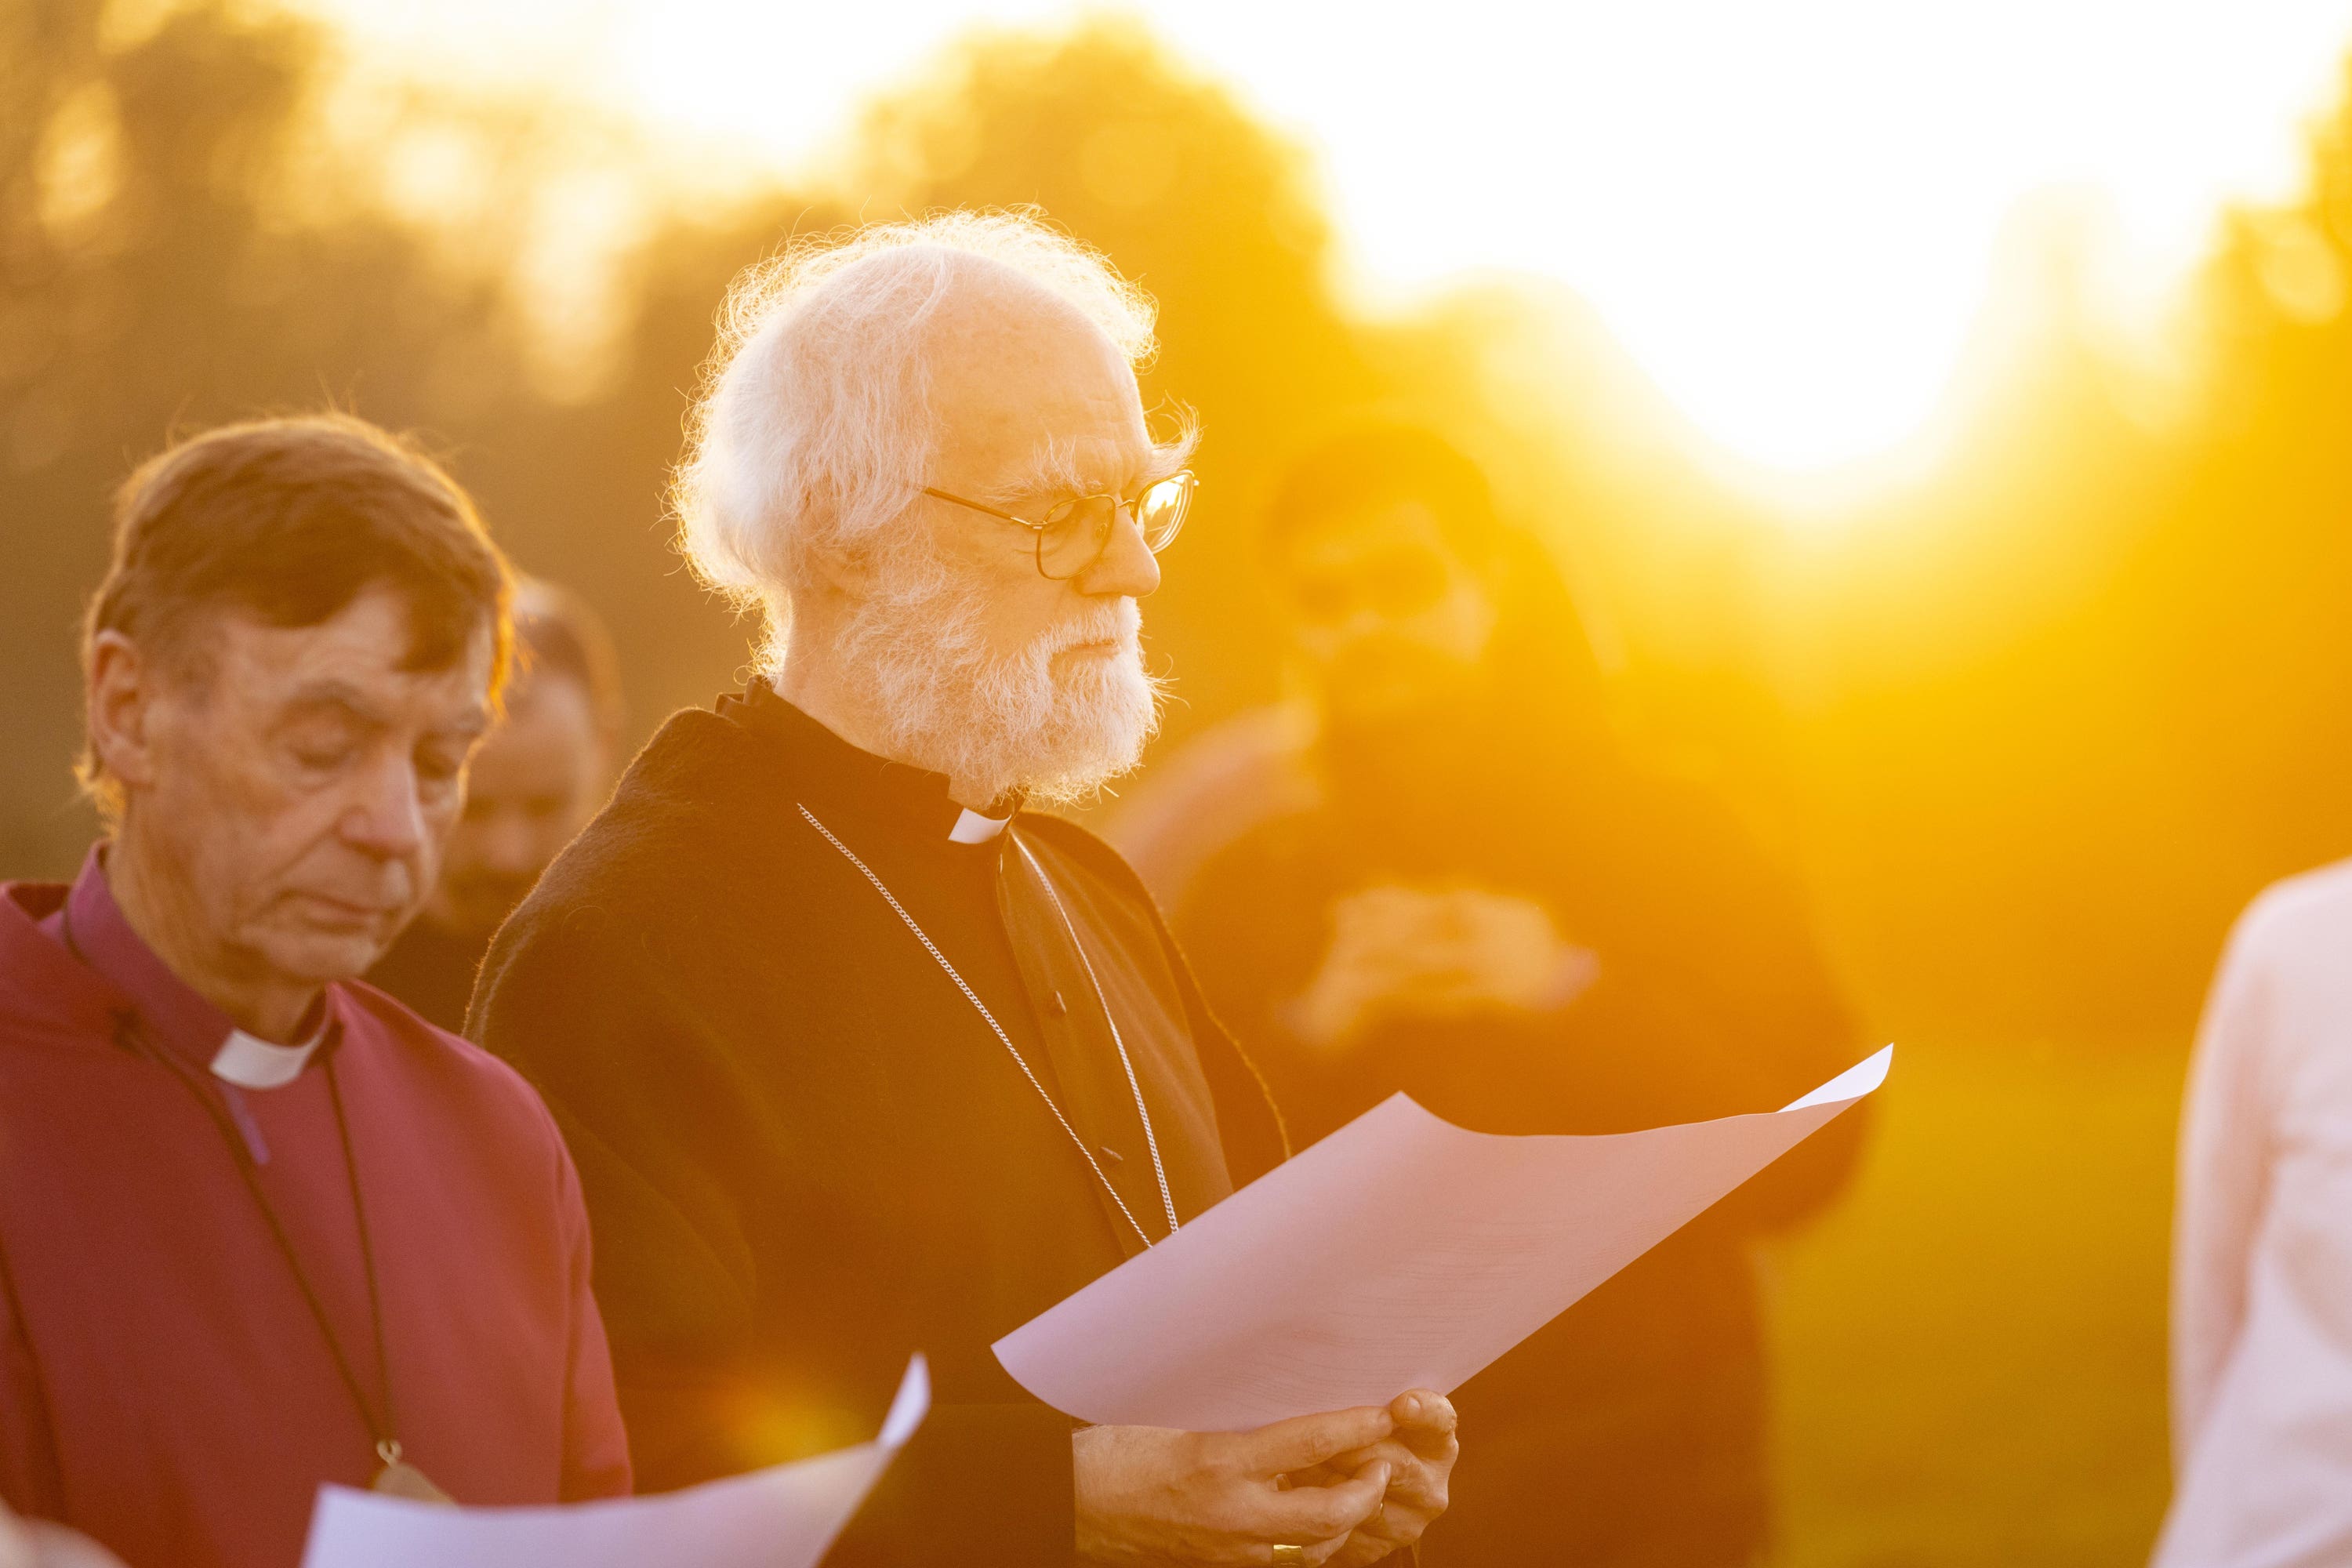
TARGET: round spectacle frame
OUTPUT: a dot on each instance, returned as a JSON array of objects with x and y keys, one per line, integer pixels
[{"x": 1072, "y": 534}]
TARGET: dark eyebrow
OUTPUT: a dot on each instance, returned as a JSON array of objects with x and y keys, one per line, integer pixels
[
  {"x": 337, "y": 698},
  {"x": 347, "y": 702}
]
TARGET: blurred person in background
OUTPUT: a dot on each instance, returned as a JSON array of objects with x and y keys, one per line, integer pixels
[
  {"x": 534, "y": 781},
  {"x": 861, "y": 1054},
  {"x": 2261, "y": 1263},
  {"x": 1484, "y": 902},
  {"x": 262, "y": 1227}
]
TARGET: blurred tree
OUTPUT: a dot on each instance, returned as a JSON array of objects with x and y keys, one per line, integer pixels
[
  {"x": 147, "y": 279},
  {"x": 172, "y": 205},
  {"x": 183, "y": 241},
  {"x": 2038, "y": 722},
  {"x": 2249, "y": 572},
  {"x": 2065, "y": 705}
]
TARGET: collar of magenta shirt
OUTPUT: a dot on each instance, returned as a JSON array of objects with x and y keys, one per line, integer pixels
[{"x": 180, "y": 1019}]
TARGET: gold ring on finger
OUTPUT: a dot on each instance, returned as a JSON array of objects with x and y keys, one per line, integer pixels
[{"x": 1286, "y": 1553}]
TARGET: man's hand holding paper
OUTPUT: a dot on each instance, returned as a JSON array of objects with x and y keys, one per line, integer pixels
[
  {"x": 1419, "y": 1455},
  {"x": 1150, "y": 1494},
  {"x": 1401, "y": 1252},
  {"x": 1347, "y": 1488}
]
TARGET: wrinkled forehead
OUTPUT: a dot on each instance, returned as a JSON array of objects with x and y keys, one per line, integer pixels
[
  {"x": 365, "y": 655},
  {"x": 1020, "y": 378}
]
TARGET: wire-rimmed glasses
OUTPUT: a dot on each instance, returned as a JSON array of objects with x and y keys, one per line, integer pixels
[{"x": 1073, "y": 533}]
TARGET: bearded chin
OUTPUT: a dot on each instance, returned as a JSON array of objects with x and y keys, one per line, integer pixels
[{"x": 999, "y": 722}]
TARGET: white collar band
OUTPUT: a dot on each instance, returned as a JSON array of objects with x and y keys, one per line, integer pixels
[
  {"x": 973, "y": 829},
  {"x": 250, "y": 1062}
]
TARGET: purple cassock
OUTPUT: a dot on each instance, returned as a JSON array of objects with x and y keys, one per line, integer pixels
[{"x": 167, "y": 1383}]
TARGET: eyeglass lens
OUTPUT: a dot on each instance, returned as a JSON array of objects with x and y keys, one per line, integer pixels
[{"x": 1075, "y": 531}]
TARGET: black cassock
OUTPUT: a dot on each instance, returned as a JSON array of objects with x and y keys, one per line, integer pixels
[{"x": 804, "y": 1152}]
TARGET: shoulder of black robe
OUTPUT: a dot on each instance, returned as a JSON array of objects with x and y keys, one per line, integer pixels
[
  {"x": 1249, "y": 1123},
  {"x": 618, "y": 988},
  {"x": 590, "y": 957}
]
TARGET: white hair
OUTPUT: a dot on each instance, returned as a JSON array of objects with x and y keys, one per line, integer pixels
[{"x": 814, "y": 427}]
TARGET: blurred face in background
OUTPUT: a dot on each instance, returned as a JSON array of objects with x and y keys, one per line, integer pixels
[
  {"x": 534, "y": 783},
  {"x": 1391, "y": 622}
]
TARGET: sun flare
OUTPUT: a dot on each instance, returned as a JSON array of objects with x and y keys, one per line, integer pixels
[{"x": 1796, "y": 219}]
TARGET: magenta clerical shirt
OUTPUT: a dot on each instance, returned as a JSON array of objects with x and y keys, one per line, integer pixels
[{"x": 164, "y": 1385}]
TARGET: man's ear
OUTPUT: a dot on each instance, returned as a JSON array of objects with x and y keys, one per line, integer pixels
[
  {"x": 856, "y": 569},
  {"x": 842, "y": 569},
  {"x": 120, "y": 703}
]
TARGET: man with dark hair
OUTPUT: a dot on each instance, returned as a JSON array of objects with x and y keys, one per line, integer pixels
[
  {"x": 1479, "y": 898},
  {"x": 535, "y": 781},
  {"x": 261, "y": 1226}
]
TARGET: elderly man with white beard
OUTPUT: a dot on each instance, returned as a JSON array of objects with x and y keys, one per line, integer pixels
[{"x": 857, "y": 1054}]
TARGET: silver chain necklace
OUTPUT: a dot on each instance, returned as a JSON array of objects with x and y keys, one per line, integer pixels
[{"x": 1150, "y": 1138}]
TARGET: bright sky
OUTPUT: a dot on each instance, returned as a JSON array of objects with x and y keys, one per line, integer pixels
[{"x": 1788, "y": 211}]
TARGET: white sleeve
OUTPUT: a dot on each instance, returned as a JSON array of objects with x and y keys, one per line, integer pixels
[{"x": 2226, "y": 1135}]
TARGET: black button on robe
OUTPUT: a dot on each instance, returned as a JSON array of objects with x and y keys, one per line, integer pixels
[{"x": 804, "y": 1152}]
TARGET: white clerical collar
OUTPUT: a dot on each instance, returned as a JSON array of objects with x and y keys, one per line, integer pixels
[
  {"x": 973, "y": 829},
  {"x": 250, "y": 1062}
]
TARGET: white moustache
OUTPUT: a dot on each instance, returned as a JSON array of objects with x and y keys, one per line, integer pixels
[{"x": 1121, "y": 624}]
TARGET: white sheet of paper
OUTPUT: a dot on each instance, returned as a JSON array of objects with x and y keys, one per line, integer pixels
[
  {"x": 1401, "y": 1252},
  {"x": 785, "y": 1517}
]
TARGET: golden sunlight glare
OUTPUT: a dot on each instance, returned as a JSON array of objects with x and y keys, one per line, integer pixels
[{"x": 1792, "y": 216}]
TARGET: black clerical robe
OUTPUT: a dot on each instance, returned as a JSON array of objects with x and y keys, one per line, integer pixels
[
  {"x": 432, "y": 970},
  {"x": 1632, "y": 1431},
  {"x": 806, "y": 1153}
]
